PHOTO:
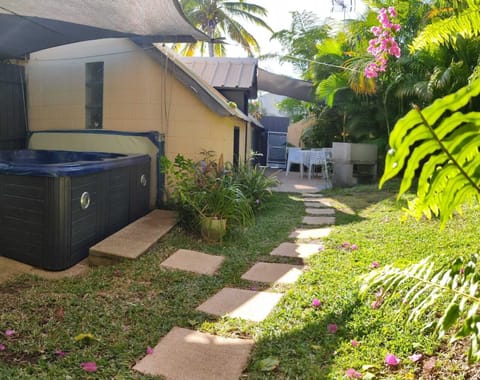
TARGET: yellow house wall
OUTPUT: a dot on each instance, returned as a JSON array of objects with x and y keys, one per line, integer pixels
[{"x": 138, "y": 96}]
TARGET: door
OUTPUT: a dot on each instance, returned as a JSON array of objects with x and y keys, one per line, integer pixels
[
  {"x": 236, "y": 146},
  {"x": 276, "y": 149}
]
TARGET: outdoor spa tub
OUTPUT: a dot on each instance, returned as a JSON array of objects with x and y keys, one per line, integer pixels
[{"x": 54, "y": 205}]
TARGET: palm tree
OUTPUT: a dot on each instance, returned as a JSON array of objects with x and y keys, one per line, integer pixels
[{"x": 219, "y": 18}]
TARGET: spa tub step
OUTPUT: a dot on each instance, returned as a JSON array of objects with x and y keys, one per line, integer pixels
[{"x": 133, "y": 240}]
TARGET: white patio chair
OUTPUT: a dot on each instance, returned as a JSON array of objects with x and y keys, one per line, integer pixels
[
  {"x": 295, "y": 156},
  {"x": 318, "y": 157}
]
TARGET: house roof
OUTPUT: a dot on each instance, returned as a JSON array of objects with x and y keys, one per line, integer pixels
[
  {"x": 204, "y": 91},
  {"x": 226, "y": 73},
  {"x": 31, "y": 25}
]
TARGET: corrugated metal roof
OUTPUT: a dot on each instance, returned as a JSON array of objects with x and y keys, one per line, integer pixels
[{"x": 223, "y": 72}]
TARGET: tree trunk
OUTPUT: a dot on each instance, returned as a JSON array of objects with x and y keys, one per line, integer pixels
[
  {"x": 211, "y": 53},
  {"x": 210, "y": 33}
]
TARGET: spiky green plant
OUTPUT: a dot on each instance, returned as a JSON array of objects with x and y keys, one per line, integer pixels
[
  {"x": 441, "y": 143},
  {"x": 423, "y": 286},
  {"x": 440, "y": 146}
]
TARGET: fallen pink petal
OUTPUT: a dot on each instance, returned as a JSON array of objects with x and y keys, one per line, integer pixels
[
  {"x": 60, "y": 353},
  {"x": 332, "y": 328},
  {"x": 149, "y": 350},
  {"x": 354, "y": 247},
  {"x": 375, "y": 264},
  {"x": 345, "y": 244},
  {"x": 316, "y": 302},
  {"x": 376, "y": 304},
  {"x": 355, "y": 343},
  {"x": 416, "y": 357},
  {"x": 351, "y": 373},
  {"x": 2, "y": 347},
  {"x": 9, "y": 332},
  {"x": 392, "y": 360},
  {"x": 89, "y": 366}
]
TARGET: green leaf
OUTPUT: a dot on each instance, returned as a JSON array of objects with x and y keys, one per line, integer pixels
[
  {"x": 85, "y": 338},
  {"x": 441, "y": 143},
  {"x": 268, "y": 364},
  {"x": 450, "y": 317}
]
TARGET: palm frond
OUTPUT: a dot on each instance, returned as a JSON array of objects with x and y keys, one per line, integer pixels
[
  {"x": 328, "y": 88},
  {"x": 444, "y": 32}
]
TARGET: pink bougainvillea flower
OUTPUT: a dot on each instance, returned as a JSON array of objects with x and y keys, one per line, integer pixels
[
  {"x": 89, "y": 366},
  {"x": 149, "y": 350},
  {"x": 392, "y": 360},
  {"x": 375, "y": 264},
  {"x": 332, "y": 328},
  {"x": 2, "y": 347},
  {"x": 355, "y": 343},
  {"x": 384, "y": 44},
  {"x": 351, "y": 373},
  {"x": 60, "y": 353},
  {"x": 9, "y": 332},
  {"x": 416, "y": 357},
  {"x": 316, "y": 302}
]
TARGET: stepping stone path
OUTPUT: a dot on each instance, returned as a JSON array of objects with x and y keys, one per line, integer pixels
[
  {"x": 301, "y": 251},
  {"x": 241, "y": 303},
  {"x": 320, "y": 211},
  {"x": 310, "y": 195},
  {"x": 193, "y": 261},
  {"x": 306, "y": 234},
  {"x": 309, "y": 204},
  {"x": 184, "y": 354},
  {"x": 273, "y": 273},
  {"x": 318, "y": 220}
]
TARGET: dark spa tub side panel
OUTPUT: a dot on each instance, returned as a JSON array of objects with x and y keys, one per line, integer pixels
[
  {"x": 44, "y": 225},
  {"x": 22, "y": 218}
]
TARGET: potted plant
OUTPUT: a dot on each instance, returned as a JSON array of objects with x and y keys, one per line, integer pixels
[{"x": 208, "y": 189}]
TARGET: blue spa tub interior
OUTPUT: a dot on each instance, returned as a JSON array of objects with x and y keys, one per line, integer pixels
[{"x": 54, "y": 205}]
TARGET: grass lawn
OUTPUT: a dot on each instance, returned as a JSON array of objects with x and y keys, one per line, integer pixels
[{"x": 130, "y": 306}]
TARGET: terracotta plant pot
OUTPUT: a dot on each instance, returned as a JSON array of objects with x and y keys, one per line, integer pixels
[{"x": 213, "y": 229}]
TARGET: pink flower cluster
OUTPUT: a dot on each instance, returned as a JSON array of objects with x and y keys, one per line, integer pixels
[
  {"x": 384, "y": 44},
  {"x": 378, "y": 300}
]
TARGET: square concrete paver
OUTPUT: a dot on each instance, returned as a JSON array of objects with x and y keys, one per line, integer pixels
[
  {"x": 273, "y": 273},
  {"x": 314, "y": 233},
  {"x": 312, "y": 195},
  {"x": 302, "y": 251},
  {"x": 318, "y": 220},
  {"x": 318, "y": 199},
  {"x": 241, "y": 303},
  {"x": 320, "y": 211},
  {"x": 309, "y": 204},
  {"x": 184, "y": 354},
  {"x": 193, "y": 261}
]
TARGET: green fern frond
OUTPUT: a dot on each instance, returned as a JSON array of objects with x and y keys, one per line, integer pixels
[
  {"x": 422, "y": 286},
  {"x": 442, "y": 144},
  {"x": 443, "y": 32}
]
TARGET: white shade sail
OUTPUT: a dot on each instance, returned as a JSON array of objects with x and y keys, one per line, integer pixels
[{"x": 31, "y": 25}]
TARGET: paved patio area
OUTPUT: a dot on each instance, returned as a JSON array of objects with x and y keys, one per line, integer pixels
[{"x": 294, "y": 183}]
